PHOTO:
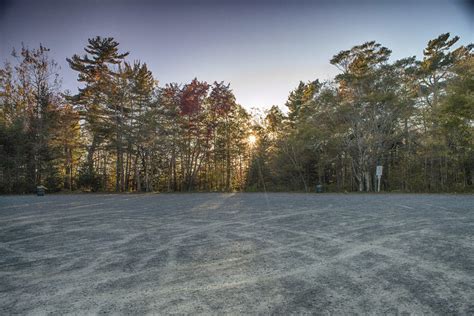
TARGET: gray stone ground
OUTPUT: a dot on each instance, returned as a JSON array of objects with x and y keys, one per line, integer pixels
[{"x": 237, "y": 253}]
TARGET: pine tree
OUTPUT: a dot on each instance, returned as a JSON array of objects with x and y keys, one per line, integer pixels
[{"x": 98, "y": 96}]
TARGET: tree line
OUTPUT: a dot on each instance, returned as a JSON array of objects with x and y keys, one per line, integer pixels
[
  {"x": 124, "y": 132},
  {"x": 413, "y": 117}
]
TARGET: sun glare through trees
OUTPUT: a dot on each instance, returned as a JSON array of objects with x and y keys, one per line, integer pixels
[
  {"x": 124, "y": 132},
  {"x": 252, "y": 139},
  {"x": 236, "y": 157},
  {"x": 99, "y": 113}
]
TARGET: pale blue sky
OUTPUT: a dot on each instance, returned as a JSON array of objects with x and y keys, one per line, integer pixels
[{"x": 262, "y": 47}]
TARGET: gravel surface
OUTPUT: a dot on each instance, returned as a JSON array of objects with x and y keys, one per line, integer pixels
[{"x": 237, "y": 253}]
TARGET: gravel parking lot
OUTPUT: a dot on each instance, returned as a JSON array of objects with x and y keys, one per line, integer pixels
[{"x": 237, "y": 253}]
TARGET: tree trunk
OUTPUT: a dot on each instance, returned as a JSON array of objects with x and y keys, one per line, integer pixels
[
  {"x": 90, "y": 155},
  {"x": 137, "y": 175},
  {"x": 104, "y": 175},
  {"x": 127, "y": 170},
  {"x": 147, "y": 175},
  {"x": 228, "y": 168},
  {"x": 117, "y": 170}
]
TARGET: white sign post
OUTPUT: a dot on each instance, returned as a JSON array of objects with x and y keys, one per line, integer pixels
[{"x": 378, "y": 173}]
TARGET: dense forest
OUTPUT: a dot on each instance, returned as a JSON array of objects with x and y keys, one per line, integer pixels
[{"x": 124, "y": 132}]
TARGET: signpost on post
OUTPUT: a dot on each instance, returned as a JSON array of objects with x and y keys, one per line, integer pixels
[{"x": 378, "y": 173}]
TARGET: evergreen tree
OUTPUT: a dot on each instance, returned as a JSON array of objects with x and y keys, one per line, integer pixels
[{"x": 97, "y": 97}]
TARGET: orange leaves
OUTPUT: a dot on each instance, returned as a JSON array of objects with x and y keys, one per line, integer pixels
[{"x": 192, "y": 97}]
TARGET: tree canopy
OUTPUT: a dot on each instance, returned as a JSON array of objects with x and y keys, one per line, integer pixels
[{"x": 123, "y": 131}]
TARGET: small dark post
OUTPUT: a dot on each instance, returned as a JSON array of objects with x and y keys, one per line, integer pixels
[{"x": 40, "y": 190}]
